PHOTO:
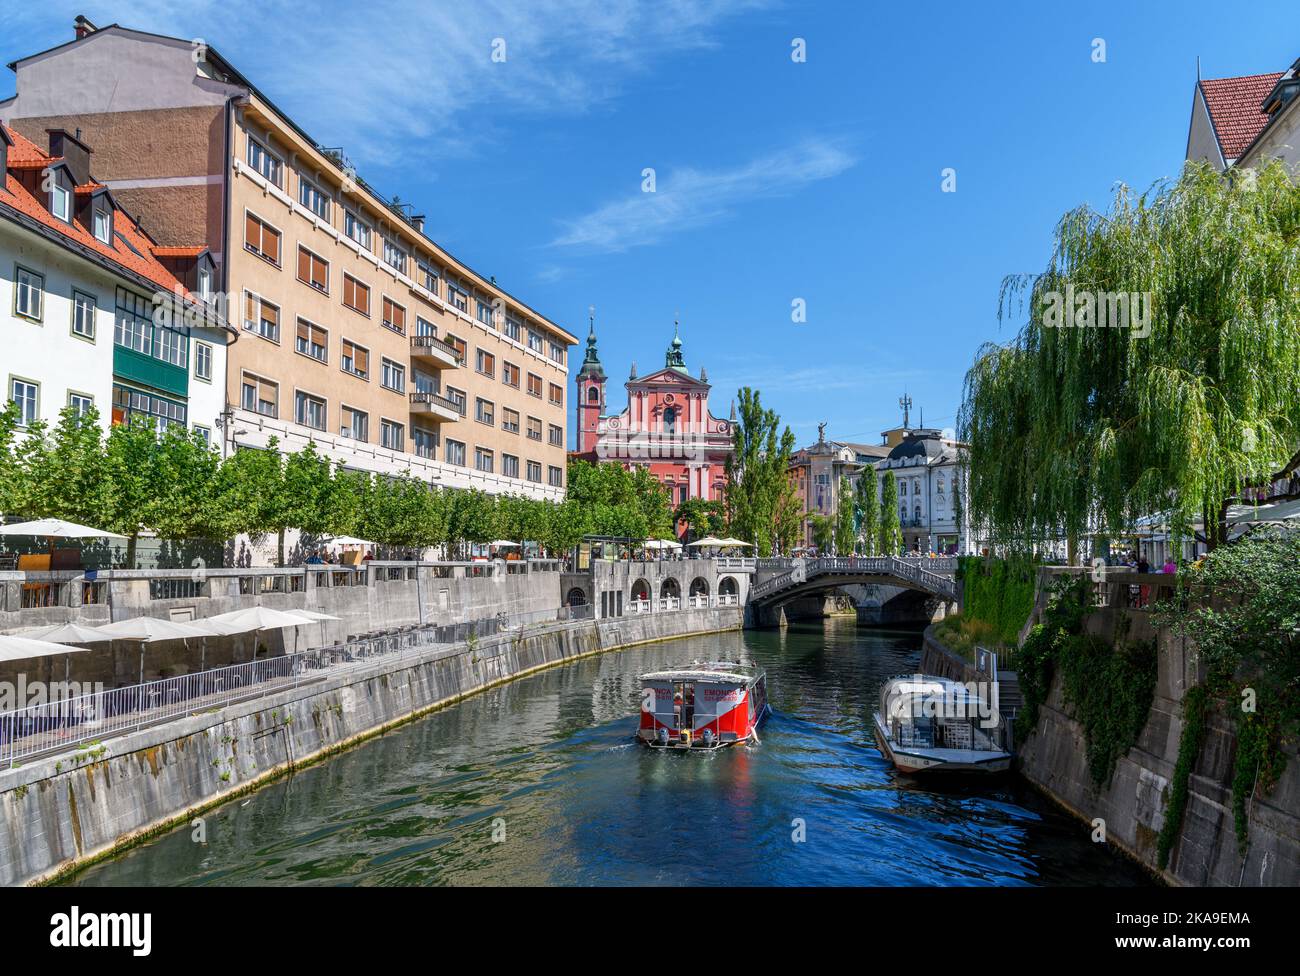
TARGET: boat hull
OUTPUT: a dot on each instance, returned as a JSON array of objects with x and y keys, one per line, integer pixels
[{"x": 915, "y": 761}]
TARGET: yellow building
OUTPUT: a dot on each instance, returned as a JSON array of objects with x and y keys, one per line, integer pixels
[{"x": 358, "y": 332}]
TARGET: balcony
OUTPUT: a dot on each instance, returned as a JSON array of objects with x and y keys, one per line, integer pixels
[
  {"x": 432, "y": 404},
  {"x": 432, "y": 351}
]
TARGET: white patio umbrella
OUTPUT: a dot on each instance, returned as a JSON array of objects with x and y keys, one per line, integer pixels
[
  {"x": 313, "y": 614},
  {"x": 146, "y": 630},
  {"x": 21, "y": 648},
  {"x": 708, "y": 540},
  {"x": 662, "y": 544},
  {"x": 53, "y": 528},
  {"x": 260, "y": 618},
  {"x": 17, "y": 648},
  {"x": 349, "y": 540},
  {"x": 504, "y": 544},
  {"x": 66, "y": 634},
  {"x": 734, "y": 542}
]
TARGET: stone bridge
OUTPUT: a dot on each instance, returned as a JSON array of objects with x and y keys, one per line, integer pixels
[{"x": 796, "y": 578}]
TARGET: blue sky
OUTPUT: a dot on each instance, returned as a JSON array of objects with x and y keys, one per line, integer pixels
[{"x": 775, "y": 180}]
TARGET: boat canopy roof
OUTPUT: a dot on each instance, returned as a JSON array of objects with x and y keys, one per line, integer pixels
[
  {"x": 929, "y": 687},
  {"x": 720, "y": 672}
]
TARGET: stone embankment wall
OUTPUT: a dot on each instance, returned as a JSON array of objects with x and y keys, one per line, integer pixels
[
  {"x": 64, "y": 811},
  {"x": 1133, "y": 804}
]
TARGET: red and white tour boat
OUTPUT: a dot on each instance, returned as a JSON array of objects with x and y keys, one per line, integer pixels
[{"x": 702, "y": 705}]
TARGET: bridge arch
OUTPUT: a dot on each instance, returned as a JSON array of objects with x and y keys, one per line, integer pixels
[
  {"x": 699, "y": 587},
  {"x": 727, "y": 586},
  {"x": 670, "y": 587}
]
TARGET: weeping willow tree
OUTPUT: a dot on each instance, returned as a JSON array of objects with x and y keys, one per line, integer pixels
[{"x": 1169, "y": 399}]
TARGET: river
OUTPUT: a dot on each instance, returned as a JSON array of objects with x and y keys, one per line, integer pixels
[{"x": 539, "y": 782}]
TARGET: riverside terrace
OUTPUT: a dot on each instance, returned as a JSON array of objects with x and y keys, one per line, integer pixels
[{"x": 377, "y": 597}]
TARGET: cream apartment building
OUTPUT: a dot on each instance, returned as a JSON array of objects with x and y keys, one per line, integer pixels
[{"x": 357, "y": 331}]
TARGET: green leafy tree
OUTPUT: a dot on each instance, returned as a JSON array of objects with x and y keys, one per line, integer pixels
[
  {"x": 823, "y": 532},
  {"x": 758, "y": 482},
  {"x": 129, "y": 464},
  {"x": 891, "y": 530},
  {"x": 1075, "y": 428},
  {"x": 845, "y": 519},
  {"x": 866, "y": 509},
  {"x": 701, "y": 517}
]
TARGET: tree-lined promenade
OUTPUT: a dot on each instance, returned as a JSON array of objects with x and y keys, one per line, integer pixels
[{"x": 134, "y": 479}]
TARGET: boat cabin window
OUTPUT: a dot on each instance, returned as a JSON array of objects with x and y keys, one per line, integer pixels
[{"x": 684, "y": 704}]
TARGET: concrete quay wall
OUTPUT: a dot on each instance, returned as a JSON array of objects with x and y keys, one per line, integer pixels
[{"x": 65, "y": 811}]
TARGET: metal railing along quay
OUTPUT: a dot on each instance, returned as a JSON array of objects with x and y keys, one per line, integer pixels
[{"x": 85, "y": 720}]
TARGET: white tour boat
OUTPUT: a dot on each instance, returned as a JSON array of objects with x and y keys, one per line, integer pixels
[{"x": 932, "y": 724}]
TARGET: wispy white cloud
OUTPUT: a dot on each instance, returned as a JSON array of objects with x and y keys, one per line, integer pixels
[
  {"x": 381, "y": 74},
  {"x": 687, "y": 198}
]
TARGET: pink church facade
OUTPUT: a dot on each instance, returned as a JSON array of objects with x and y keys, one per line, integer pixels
[{"x": 666, "y": 426}]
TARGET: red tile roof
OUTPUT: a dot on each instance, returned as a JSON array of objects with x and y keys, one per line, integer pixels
[
  {"x": 25, "y": 155},
  {"x": 1234, "y": 105}
]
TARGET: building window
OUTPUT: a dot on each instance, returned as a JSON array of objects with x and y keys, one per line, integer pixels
[
  {"x": 356, "y": 228},
  {"x": 83, "y": 314},
  {"x": 558, "y": 352},
  {"x": 102, "y": 221},
  {"x": 393, "y": 376},
  {"x": 429, "y": 278},
  {"x": 205, "y": 434},
  {"x": 394, "y": 316},
  {"x": 264, "y": 162},
  {"x": 457, "y": 397},
  {"x": 534, "y": 385},
  {"x": 555, "y": 476},
  {"x": 425, "y": 442},
  {"x": 457, "y": 297},
  {"x": 313, "y": 198},
  {"x": 535, "y": 471},
  {"x": 484, "y": 411},
  {"x": 261, "y": 238},
  {"x": 556, "y": 435},
  {"x": 483, "y": 311},
  {"x": 510, "y": 420},
  {"x": 391, "y": 435},
  {"x": 394, "y": 256},
  {"x": 261, "y": 317},
  {"x": 205, "y": 284},
  {"x": 534, "y": 340},
  {"x": 510, "y": 374},
  {"x": 309, "y": 410},
  {"x": 534, "y": 429},
  {"x": 510, "y": 465},
  {"x": 312, "y": 341},
  {"x": 513, "y": 328},
  {"x": 356, "y": 424},
  {"x": 355, "y": 360},
  {"x": 260, "y": 395},
  {"x": 27, "y": 395},
  {"x": 133, "y": 326},
  {"x": 457, "y": 343},
  {"x": 162, "y": 413},
  {"x": 81, "y": 403},
  {"x": 61, "y": 202},
  {"x": 423, "y": 327},
  {"x": 557, "y": 394},
  {"x": 313, "y": 270},
  {"x": 203, "y": 361},
  {"x": 356, "y": 295},
  {"x": 486, "y": 363},
  {"x": 455, "y": 453},
  {"x": 483, "y": 460},
  {"x": 29, "y": 294}
]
